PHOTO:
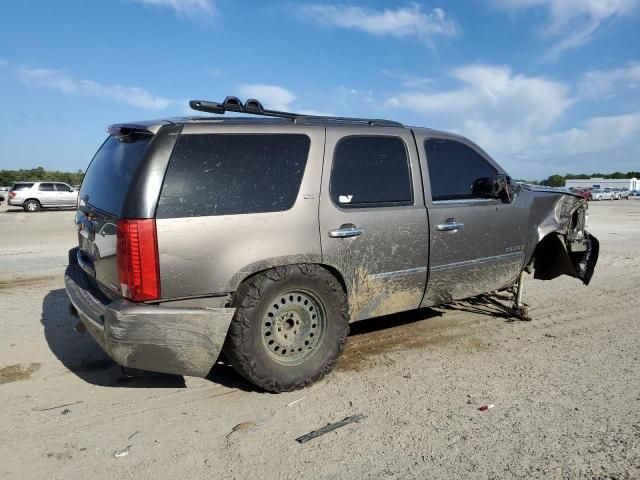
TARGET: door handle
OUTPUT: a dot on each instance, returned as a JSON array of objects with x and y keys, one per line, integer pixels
[
  {"x": 345, "y": 231},
  {"x": 451, "y": 226}
]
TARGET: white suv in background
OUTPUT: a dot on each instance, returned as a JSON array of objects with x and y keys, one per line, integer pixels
[{"x": 32, "y": 196}]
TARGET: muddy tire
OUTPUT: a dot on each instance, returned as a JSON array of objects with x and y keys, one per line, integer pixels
[
  {"x": 31, "y": 206},
  {"x": 290, "y": 327}
]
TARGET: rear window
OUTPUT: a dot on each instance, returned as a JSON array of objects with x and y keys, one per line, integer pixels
[
  {"x": 226, "y": 174},
  {"x": 21, "y": 186},
  {"x": 108, "y": 177}
]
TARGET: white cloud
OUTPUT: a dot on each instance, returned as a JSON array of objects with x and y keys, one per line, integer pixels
[
  {"x": 58, "y": 80},
  {"x": 596, "y": 134},
  {"x": 514, "y": 117},
  {"x": 500, "y": 110},
  {"x": 573, "y": 22},
  {"x": 599, "y": 83},
  {"x": 183, "y": 7},
  {"x": 409, "y": 21},
  {"x": 272, "y": 97}
]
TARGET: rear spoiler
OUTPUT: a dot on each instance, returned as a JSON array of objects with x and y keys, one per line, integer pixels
[{"x": 124, "y": 130}]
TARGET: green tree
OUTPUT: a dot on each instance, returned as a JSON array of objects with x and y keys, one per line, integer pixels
[{"x": 554, "y": 181}]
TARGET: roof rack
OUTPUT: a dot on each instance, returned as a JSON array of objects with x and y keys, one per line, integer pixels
[{"x": 254, "y": 107}]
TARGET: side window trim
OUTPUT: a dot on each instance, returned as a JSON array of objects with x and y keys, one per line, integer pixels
[{"x": 347, "y": 207}]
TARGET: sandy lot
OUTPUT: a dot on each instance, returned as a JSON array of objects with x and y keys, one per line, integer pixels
[{"x": 566, "y": 386}]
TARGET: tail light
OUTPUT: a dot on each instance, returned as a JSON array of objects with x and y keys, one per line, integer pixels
[
  {"x": 137, "y": 257},
  {"x": 12, "y": 194}
]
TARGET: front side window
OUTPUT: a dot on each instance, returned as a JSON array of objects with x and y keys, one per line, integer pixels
[
  {"x": 46, "y": 187},
  {"x": 454, "y": 169},
  {"x": 370, "y": 171},
  {"x": 62, "y": 187},
  {"x": 226, "y": 174}
]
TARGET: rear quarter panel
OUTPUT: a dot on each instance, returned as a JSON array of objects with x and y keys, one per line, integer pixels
[{"x": 213, "y": 254}]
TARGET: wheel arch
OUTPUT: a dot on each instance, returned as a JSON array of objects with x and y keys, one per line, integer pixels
[{"x": 245, "y": 275}]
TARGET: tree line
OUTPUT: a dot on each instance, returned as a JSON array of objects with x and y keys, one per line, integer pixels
[
  {"x": 8, "y": 177},
  {"x": 559, "y": 180}
]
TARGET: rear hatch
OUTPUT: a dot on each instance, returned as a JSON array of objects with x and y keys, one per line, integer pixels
[{"x": 116, "y": 206}]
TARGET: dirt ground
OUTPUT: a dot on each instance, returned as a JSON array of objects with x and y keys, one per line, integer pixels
[{"x": 566, "y": 386}]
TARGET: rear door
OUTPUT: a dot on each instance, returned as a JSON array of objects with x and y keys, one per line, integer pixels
[
  {"x": 373, "y": 223},
  {"x": 46, "y": 194},
  {"x": 477, "y": 244}
]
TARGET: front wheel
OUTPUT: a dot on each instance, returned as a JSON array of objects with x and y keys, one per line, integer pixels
[
  {"x": 31, "y": 206},
  {"x": 290, "y": 327}
]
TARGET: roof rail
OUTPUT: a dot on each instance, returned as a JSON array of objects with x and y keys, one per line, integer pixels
[{"x": 254, "y": 107}]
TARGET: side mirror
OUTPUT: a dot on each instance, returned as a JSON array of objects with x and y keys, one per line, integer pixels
[{"x": 499, "y": 186}]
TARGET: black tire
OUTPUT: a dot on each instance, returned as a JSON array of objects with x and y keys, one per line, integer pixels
[
  {"x": 31, "y": 206},
  {"x": 246, "y": 347}
]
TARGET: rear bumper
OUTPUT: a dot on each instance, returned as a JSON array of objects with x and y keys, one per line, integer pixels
[
  {"x": 182, "y": 341},
  {"x": 14, "y": 202}
]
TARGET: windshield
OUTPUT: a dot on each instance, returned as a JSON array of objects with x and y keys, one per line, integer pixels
[{"x": 109, "y": 175}]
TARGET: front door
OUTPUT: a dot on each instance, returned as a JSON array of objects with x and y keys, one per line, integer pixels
[
  {"x": 67, "y": 197},
  {"x": 477, "y": 244},
  {"x": 373, "y": 222}
]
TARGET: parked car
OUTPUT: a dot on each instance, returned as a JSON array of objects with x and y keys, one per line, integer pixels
[
  {"x": 624, "y": 193},
  {"x": 599, "y": 194},
  {"x": 635, "y": 193},
  {"x": 33, "y": 196},
  {"x": 266, "y": 238},
  {"x": 584, "y": 193}
]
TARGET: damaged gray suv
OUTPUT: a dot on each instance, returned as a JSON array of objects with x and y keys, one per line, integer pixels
[{"x": 264, "y": 236}]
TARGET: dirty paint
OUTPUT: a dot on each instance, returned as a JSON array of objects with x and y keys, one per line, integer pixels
[{"x": 19, "y": 371}]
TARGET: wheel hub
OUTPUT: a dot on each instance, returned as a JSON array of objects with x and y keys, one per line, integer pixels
[{"x": 293, "y": 327}]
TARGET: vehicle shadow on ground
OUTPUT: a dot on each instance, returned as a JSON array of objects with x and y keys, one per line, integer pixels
[
  {"x": 378, "y": 324},
  {"x": 84, "y": 357}
]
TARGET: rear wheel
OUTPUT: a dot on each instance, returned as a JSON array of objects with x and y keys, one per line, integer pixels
[
  {"x": 290, "y": 327},
  {"x": 31, "y": 206}
]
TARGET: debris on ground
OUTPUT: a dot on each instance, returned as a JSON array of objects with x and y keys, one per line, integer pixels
[
  {"x": 330, "y": 427},
  {"x": 291, "y": 404},
  {"x": 65, "y": 411},
  {"x": 39, "y": 409},
  {"x": 243, "y": 428},
  {"x": 485, "y": 407},
  {"x": 133, "y": 434},
  {"x": 122, "y": 453}
]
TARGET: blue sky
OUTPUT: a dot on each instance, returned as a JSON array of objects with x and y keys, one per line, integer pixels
[{"x": 545, "y": 86}]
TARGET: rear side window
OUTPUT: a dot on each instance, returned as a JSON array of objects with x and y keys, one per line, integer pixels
[
  {"x": 46, "y": 187},
  {"x": 371, "y": 171},
  {"x": 62, "y": 187},
  {"x": 454, "y": 168},
  {"x": 21, "y": 186},
  {"x": 226, "y": 174},
  {"x": 109, "y": 175}
]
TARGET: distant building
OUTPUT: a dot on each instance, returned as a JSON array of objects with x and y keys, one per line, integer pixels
[{"x": 630, "y": 183}]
